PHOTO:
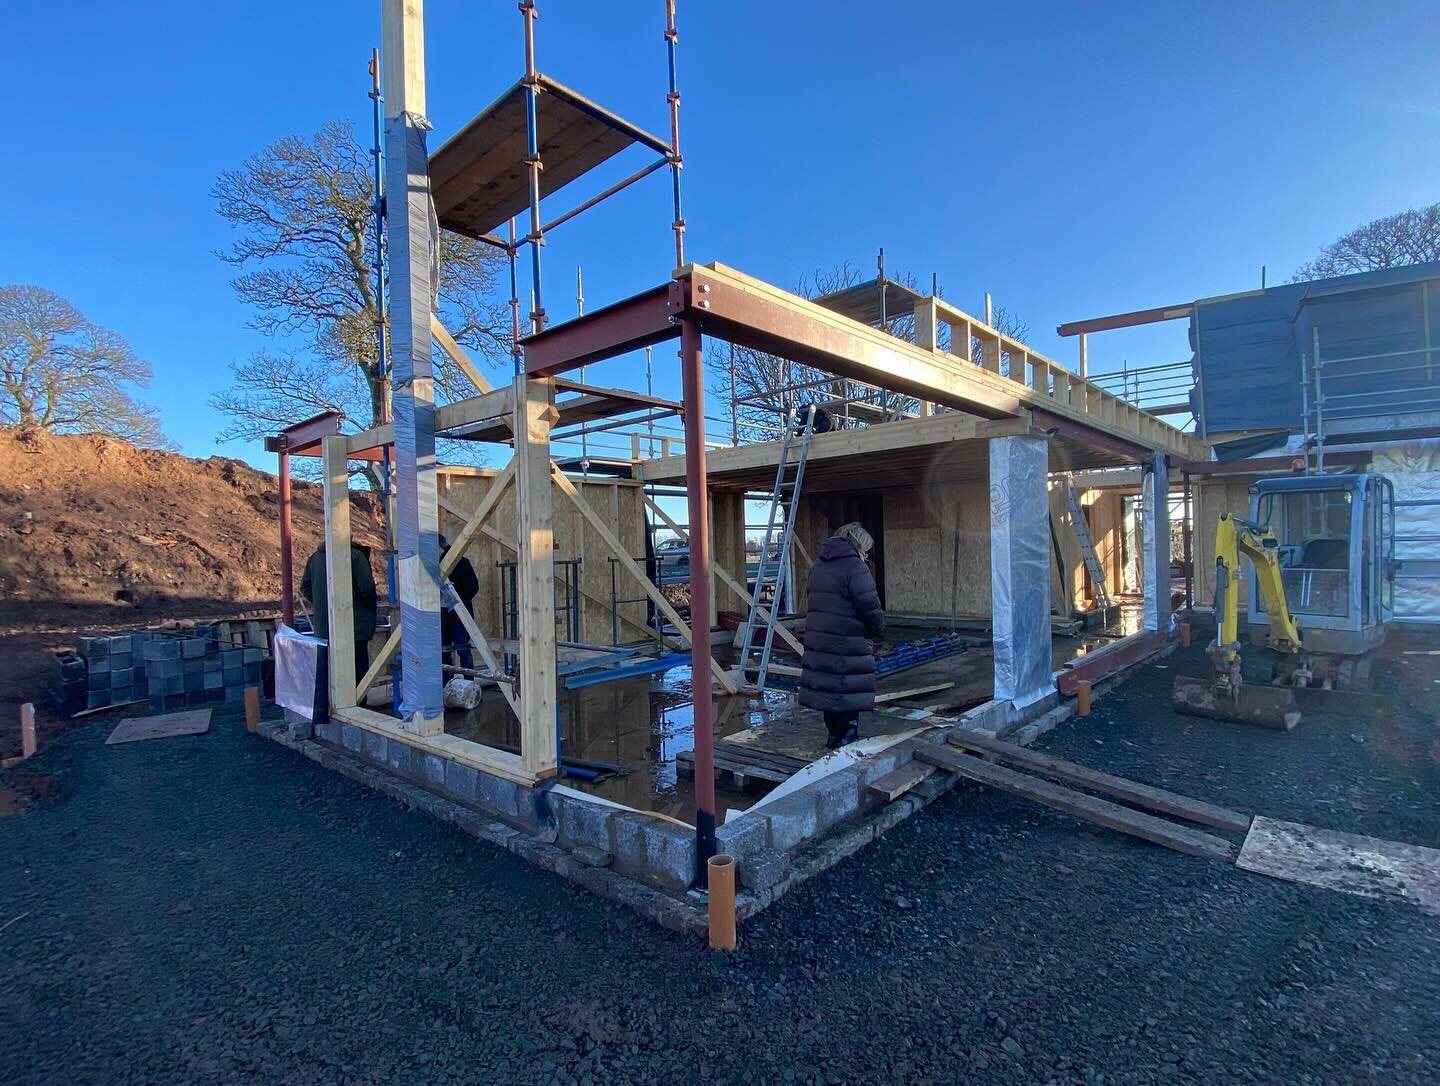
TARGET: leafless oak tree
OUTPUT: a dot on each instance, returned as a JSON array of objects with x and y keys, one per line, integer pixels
[
  {"x": 304, "y": 209},
  {"x": 60, "y": 372},
  {"x": 1407, "y": 237}
]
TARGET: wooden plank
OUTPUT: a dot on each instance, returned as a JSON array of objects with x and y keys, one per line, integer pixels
[
  {"x": 1141, "y": 795},
  {"x": 901, "y": 695},
  {"x": 496, "y": 404},
  {"x": 475, "y": 755},
  {"x": 457, "y": 355},
  {"x": 630, "y": 566},
  {"x": 339, "y": 588},
  {"x": 535, "y": 575},
  {"x": 165, "y": 726},
  {"x": 897, "y": 782},
  {"x": 1347, "y": 862},
  {"x": 1091, "y": 808},
  {"x": 402, "y": 53},
  {"x": 373, "y": 438},
  {"x": 730, "y": 582}
]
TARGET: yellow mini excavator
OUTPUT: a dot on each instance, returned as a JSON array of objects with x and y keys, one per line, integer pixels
[{"x": 1322, "y": 548}]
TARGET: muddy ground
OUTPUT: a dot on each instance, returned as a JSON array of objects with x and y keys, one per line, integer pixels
[{"x": 217, "y": 909}]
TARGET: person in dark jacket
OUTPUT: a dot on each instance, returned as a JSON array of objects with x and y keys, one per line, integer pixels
[
  {"x": 467, "y": 586},
  {"x": 362, "y": 587},
  {"x": 843, "y": 615}
]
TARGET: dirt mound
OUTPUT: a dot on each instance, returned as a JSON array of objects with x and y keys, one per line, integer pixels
[
  {"x": 98, "y": 535},
  {"x": 94, "y": 529}
]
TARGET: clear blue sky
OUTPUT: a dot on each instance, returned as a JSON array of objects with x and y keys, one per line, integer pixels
[{"x": 1072, "y": 159}]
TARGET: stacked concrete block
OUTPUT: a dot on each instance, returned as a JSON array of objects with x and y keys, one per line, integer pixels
[
  {"x": 165, "y": 672},
  {"x": 68, "y": 683}
]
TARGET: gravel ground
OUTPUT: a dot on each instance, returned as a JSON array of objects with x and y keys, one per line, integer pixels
[{"x": 217, "y": 909}]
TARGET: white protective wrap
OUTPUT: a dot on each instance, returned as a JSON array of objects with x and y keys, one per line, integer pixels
[{"x": 1020, "y": 568}]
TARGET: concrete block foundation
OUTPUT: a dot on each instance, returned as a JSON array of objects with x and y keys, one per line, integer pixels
[{"x": 647, "y": 861}]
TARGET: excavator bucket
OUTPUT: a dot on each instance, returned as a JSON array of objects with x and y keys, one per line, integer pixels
[{"x": 1268, "y": 706}]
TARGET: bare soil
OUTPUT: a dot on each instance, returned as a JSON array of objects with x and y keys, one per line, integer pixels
[{"x": 97, "y": 535}]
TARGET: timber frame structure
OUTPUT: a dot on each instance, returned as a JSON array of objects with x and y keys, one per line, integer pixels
[{"x": 993, "y": 423}]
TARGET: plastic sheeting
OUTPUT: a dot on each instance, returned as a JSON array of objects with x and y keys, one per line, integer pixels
[
  {"x": 407, "y": 233},
  {"x": 300, "y": 679},
  {"x": 1020, "y": 568},
  {"x": 1250, "y": 349},
  {"x": 1414, "y": 468}
]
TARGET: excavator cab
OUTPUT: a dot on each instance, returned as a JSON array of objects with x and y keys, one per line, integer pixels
[{"x": 1336, "y": 551}]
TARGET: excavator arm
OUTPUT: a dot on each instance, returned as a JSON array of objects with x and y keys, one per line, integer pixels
[
  {"x": 1234, "y": 537},
  {"x": 1224, "y": 695}
]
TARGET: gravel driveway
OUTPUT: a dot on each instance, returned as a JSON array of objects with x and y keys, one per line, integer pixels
[{"x": 215, "y": 908}]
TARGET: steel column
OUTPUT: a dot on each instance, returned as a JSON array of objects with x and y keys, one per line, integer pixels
[
  {"x": 287, "y": 559},
  {"x": 692, "y": 381}
]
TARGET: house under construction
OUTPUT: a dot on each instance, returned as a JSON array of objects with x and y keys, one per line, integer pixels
[{"x": 1021, "y": 512}]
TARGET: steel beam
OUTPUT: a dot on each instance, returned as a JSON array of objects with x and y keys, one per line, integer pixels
[
  {"x": 627, "y": 325},
  {"x": 1132, "y": 319}
]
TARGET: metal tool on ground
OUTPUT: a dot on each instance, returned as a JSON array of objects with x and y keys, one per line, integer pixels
[
  {"x": 775, "y": 553},
  {"x": 1087, "y": 545},
  {"x": 1322, "y": 549}
]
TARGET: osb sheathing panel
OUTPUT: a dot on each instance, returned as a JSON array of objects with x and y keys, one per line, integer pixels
[
  {"x": 937, "y": 549},
  {"x": 621, "y": 507},
  {"x": 727, "y": 546}
]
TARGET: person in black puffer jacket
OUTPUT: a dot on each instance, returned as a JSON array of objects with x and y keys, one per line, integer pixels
[{"x": 843, "y": 615}]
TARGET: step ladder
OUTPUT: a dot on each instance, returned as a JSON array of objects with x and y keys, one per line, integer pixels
[
  {"x": 775, "y": 554},
  {"x": 1087, "y": 545}
]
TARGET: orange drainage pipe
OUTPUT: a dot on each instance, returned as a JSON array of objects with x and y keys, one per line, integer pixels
[
  {"x": 722, "y": 902},
  {"x": 252, "y": 709},
  {"x": 28, "y": 741},
  {"x": 1082, "y": 698},
  {"x": 1184, "y": 635}
]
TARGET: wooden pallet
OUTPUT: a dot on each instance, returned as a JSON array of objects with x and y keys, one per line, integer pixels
[
  {"x": 1102, "y": 812},
  {"x": 743, "y": 766}
]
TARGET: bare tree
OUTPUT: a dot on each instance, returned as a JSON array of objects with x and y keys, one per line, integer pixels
[
  {"x": 304, "y": 207},
  {"x": 60, "y": 372},
  {"x": 1407, "y": 237},
  {"x": 765, "y": 387}
]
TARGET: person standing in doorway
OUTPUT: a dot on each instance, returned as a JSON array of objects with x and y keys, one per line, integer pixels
[
  {"x": 364, "y": 603},
  {"x": 467, "y": 587},
  {"x": 843, "y": 616}
]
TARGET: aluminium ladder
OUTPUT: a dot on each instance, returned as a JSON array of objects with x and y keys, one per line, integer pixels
[
  {"x": 1087, "y": 545},
  {"x": 775, "y": 557}
]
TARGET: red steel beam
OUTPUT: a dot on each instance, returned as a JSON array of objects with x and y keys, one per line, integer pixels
[
  {"x": 300, "y": 437},
  {"x": 1106, "y": 662},
  {"x": 1127, "y": 320},
  {"x": 635, "y": 322}
]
